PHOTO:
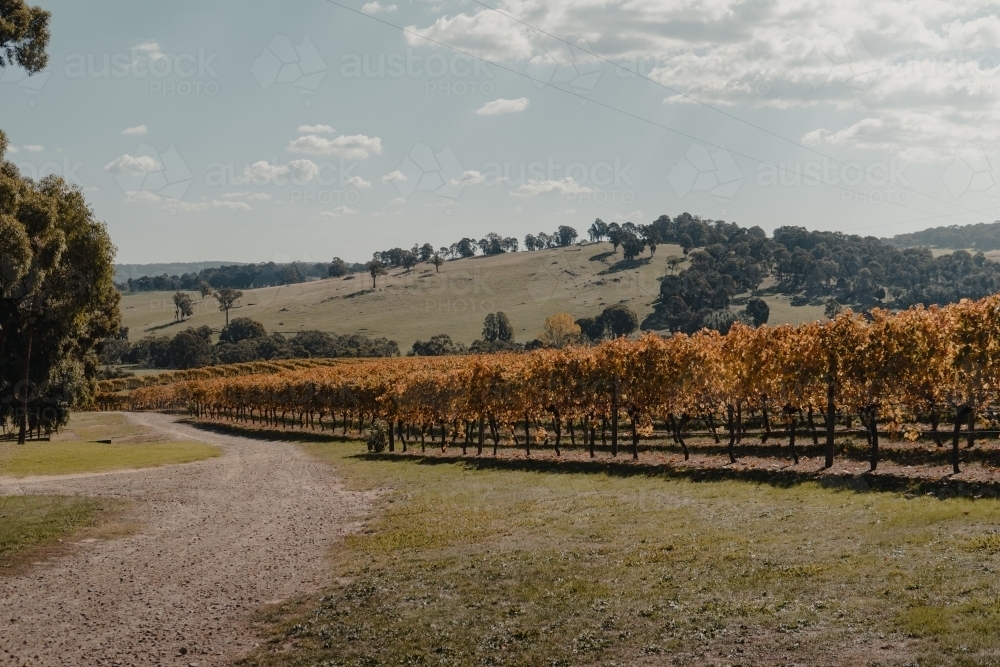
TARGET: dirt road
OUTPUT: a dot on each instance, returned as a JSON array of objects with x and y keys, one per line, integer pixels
[{"x": 219, "y": 539}]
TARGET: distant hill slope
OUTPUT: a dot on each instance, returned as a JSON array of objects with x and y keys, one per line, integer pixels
[
  {"x": 135, "y": 271},
  {"x": 982, "y": 236},
  {"x": 410, "y": 305}
]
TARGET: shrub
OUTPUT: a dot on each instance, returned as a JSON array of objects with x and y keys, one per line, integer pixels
[{"x": 378, "y": 438}]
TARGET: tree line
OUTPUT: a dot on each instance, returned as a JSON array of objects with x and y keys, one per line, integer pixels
[
  {"x": 981, "y": 236},
  {"x": 560, "y": 330},
  {"x": 242, "y": 340},
  {"x": 240, "y": 276}
]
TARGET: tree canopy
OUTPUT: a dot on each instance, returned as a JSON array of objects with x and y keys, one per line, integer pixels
[{"x": 58, "y": 297}]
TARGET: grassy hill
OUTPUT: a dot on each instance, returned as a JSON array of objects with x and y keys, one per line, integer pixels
[{"x": 409, "y": 305}]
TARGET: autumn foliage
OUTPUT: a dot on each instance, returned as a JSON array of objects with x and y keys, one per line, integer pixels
[{"x": 883, "y": 369}]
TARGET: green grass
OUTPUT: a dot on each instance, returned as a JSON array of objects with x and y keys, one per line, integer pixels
[
  {"x": 61, "y": 457},
  {"x": 30, "y": 523},
  {"x": 467, "y": 565}
]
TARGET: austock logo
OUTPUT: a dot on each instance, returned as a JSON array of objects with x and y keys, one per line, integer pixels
[
  {"x": 699, "y": 170},
  {"x": 427, "y": 170},
  {"x": 281, "y": 61},
  {"x": 973, "y": 171},
  {"x": 30, "y": 85},
  {"x": 151, "y": 175},
  {"x": 566, "y": 66}
]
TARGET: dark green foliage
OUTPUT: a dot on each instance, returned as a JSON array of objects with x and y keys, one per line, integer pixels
[
  {"x": 24, "y": 34},
  {"x": 758, "y": 311},
  {"x": 592, "y": 327},
  {"x": 437, "y": 346},
  {"x": 338, "y": 268},
  {"x": 57, "y": 296},
  {"x": 620, "y": 320},
  {"x": 190, "y": 349},
  {"x": 242, "y": 328},
  {"x": 982, "y": 236},
  {"x": 566, "y": 235}
]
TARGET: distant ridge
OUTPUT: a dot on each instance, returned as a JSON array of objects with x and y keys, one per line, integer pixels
[
  {"x": 135, "y": 271},
  {"x": 980, "y": 236}
]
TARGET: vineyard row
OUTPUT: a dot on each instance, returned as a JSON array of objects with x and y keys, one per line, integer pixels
[{"x": 900, "y": 373}]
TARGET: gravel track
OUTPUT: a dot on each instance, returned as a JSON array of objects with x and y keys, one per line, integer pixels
[{"x": 218, "y": 540}]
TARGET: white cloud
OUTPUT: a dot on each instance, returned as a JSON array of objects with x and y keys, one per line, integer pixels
[
  {"x": 147, "y": 47},
  {"x": 394, "y": 177},
  {"x": 337, "y": 212},
  {"x": 378, "y": 8},
  {"x": 516, "y": 209},
  {"x": 382, "y": 214},
  {"x": 932, "y": 64},
  {"x": 316, "y": 129},
  {"x": 485, "y": 33},
  {"x": 534, "y": 187},
  {"x": 142, "y": 197},
  {"x": 214, "y": 205},
  {"x": 398, "y": 200},
  {"x": 136, "y": 131},
  {"x": 352, "y": 147},
  {"x": 13, "y": 149},
  {"x": 250, "y": 196},
  {"x": 130, "y": 164},
  {"x": 468, "y": 178},
  {"x": 263, "y": 173},
  {"x": 357, "y": 182},
  {"x": 503, "y": 106},
  {"x": 34, "y": 148},
  {"x": 634, "y": 215}
]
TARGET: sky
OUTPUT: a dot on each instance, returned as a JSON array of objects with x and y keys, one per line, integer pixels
[{"x": 260, "y": 131}]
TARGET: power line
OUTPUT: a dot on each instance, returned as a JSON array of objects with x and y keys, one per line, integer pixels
[
  {"x": 714, "y": 108},
  {"x": 626, "y": 113}
]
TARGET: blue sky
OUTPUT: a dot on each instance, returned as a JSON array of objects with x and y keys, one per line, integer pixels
[{"x": 256, "y": 131}]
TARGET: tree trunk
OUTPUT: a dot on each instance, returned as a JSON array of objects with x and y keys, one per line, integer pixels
[
  {"x": 635, "y": 434},
  {"x": 527, "y": 436},
  {"x": 588, "y": 425},
  {"x": 971, "y": 430},
  {"x": 392, "y": 438},
  {"x": 614, "y": 416},
  {"x": 831, "y": 416},
  {"x": 572, "y": 433},
  {"x": 557, "y": 422},
  {"x": 402, "y": 435},
  {"x": 711, "y": 425},
  {"x": 685, "y": 418},
  {"x": 495, "y": 434},
  {"x": 479, "y": 444},
  {"x": 731, "y": 425},
  {"x": 767, "y": 426},
  {"x": 23, "y": 420},
  {"x": 812, "y": 426},
  {"x": 935, "y": 420},
  {"x": 960, "y": 416},
  {"x": 793, "y": 422},
  {"x": 873, "y": 429}
]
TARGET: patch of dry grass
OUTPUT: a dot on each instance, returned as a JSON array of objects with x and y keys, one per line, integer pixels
[{"x": 468, "y": 565}]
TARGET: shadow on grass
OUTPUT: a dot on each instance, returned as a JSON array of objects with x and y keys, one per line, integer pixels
[
  {"x": 943, "y": 487},
  {"x": 268, "y": 433},
  {"x": 863, "y": 483},
  {"x": 625, "y": 265}
]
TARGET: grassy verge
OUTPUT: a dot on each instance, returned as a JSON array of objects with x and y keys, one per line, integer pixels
[
  {"x": 31, "y": 526},
  {"x": 74, "y": 449},
  {"x": 481, "y": 565},
  {"x": 62, "y": 458}
]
